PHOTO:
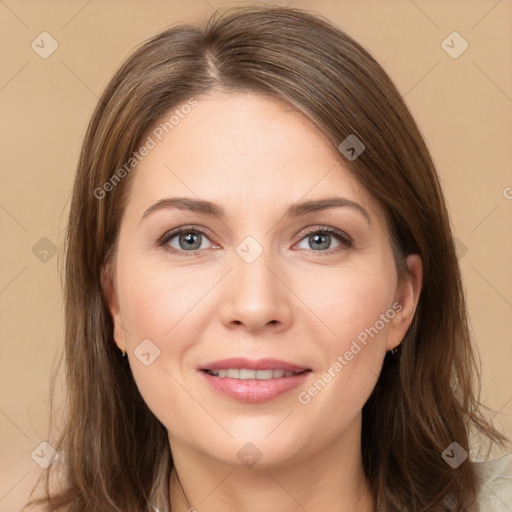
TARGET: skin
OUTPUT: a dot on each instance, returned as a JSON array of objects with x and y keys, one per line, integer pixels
[{"x": 255, "y": 156}]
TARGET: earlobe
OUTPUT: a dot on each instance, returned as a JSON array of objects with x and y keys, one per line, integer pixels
[{"x": 408, "y": 293}]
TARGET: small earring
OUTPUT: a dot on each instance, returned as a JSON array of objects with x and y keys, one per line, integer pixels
[
  {"x": 123, "y": 353},
  {"x": 395, "y": 352}
]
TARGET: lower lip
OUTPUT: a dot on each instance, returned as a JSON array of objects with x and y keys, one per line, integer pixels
[{"x": 253, "y": 390}]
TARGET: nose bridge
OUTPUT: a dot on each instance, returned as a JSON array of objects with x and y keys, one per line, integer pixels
[
  {"x": 255, "y": 296},
  {"x": 252, "y": 274}
]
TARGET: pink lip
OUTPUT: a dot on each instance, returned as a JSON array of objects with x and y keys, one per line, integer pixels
[
  {"x": 260, "y": 364},
  {"x": 252, "y": 390}
]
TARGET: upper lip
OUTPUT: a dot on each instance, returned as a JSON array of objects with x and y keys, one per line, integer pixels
[{"x": 259, "y": 364}]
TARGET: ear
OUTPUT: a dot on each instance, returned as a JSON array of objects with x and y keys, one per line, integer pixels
[
  {"x": 406, "y": 300},
  {"x": 108, "y": 289}
]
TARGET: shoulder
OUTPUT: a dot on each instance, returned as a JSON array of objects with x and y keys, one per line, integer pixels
[{"x": 496, "y": 491}]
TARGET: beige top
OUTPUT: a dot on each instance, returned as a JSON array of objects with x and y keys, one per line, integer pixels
[{"x": 496, "y": 492}]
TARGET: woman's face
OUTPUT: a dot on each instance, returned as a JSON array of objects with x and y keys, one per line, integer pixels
[{"x": 315, "y": 288}]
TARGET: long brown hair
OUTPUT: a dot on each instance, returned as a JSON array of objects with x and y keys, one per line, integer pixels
[{"x": 117, "y": 454}]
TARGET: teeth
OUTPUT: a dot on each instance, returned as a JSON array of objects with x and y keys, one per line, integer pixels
[{"x": 245, "y": 374}]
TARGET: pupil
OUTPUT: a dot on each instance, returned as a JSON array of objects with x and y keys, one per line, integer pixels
[
  {"x": 190, "y": 239},
  {"x": 315, "y": 239}
]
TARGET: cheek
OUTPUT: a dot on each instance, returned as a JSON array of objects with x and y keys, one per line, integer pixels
[
  {"x": 348, "y": 301},
  {"x": 163, "y": 314},
  {"x": 355, "y": 308},
  {"x": 156, "y": 301},
  {"x": 364, "y": 311},
  {"x": 162, "y": 323}
]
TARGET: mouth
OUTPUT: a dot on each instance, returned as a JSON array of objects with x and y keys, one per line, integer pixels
[
  {"x": 248, "y": 374},
  {"x": 247, "y": 369},
  {"x": 254, "y": 381}
]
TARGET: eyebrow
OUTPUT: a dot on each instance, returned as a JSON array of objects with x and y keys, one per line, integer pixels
[{"x": 215, "y": 210}]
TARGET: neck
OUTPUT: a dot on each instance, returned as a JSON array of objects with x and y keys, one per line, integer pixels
[{"x": 331, "y": 479}]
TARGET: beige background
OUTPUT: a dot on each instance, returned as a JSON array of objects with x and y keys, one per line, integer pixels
[{"x": 463, "y": 106}]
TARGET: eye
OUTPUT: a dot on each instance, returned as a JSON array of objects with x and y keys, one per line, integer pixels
[
  {"x": 321, "y": 239},
  {"x": 189, "y": 241}
]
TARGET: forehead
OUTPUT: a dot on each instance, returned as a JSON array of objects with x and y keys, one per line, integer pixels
[{"x": 242, "y": 149}]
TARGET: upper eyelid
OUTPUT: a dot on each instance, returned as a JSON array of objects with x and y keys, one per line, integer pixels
[{"x": 177, "y": 231}]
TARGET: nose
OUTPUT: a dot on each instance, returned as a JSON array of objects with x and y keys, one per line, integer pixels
[{"x": 257, "y": 296}]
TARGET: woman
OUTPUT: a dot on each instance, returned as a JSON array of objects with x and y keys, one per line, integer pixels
[{"x": 264, "y": 308}]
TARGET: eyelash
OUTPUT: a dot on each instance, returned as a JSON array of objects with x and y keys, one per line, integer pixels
[{"x": 343, "y": 238}]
